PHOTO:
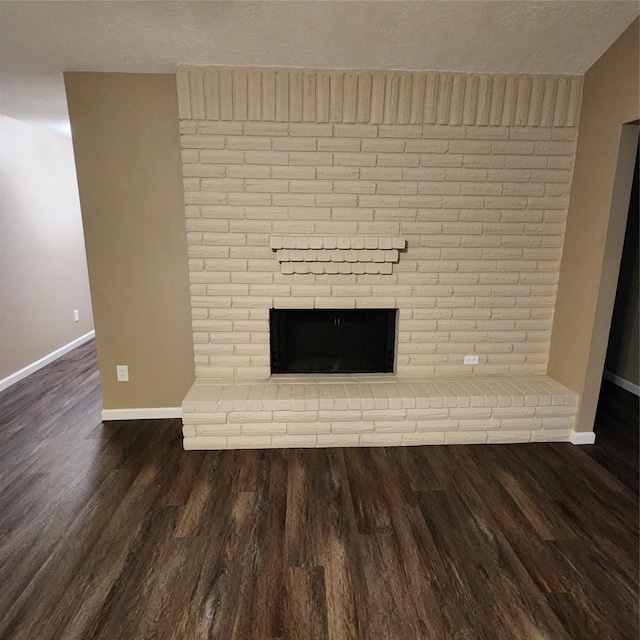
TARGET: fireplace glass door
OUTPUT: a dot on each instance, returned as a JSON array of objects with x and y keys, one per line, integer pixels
[{"x": 332, "y": 340}]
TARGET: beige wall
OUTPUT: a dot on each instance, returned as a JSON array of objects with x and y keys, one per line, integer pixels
[
  {"x": 596, "y": 222},
  {"x": 43, "y": 270},
  {"x": 125, "y": 132}
]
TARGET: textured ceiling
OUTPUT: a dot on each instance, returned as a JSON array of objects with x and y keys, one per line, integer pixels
[{"x": 39, "y": 40}]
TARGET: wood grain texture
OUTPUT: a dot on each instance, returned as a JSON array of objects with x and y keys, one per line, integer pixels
[
  {"x": 375, "y": 97},
  {"x": 113, "y": 531}
]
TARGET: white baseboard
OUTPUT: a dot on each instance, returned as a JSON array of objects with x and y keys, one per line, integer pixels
[
  {"x": 582, "y": 437},
  {"x": 42, "y": 362},
  {"x": 622, "y": 383},
  {"x": 146, "y": 413}
]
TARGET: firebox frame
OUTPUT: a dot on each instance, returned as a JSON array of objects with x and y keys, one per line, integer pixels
[{"x": 337, "y": 329}]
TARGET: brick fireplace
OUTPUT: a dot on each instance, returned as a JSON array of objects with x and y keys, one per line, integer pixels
[{"x": 443, "y": 196}]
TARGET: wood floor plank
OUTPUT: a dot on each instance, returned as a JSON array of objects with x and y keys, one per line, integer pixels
[
  {"x": 417, "y": 566},
  {"x": 112, "y": 531},
  {"x": 305, "y": 608},
  {"x": 371, "y": 510}
]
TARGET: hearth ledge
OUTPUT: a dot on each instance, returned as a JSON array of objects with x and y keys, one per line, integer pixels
[{"x": 375, "y": 410}]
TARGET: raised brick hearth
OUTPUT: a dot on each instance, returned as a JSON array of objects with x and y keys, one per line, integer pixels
[
  {"x": 443, "y": 196},
  {"x": 325, "y": 411}
]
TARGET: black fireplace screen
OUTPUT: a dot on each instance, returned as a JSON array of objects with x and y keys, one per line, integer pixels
[{"x": 332, "y": 340}]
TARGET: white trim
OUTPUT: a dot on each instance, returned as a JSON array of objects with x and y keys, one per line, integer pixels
[
  {"x": 622, "y": 383},
  {"x": 5, "y": 383},
  {"x": 582, "y": 437},
  {"x": 146, "y": 413}
]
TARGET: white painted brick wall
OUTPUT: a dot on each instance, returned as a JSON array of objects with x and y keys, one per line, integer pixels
[
  {"x": 482, "y": 210},
  {"x": 451, "y": 210}
]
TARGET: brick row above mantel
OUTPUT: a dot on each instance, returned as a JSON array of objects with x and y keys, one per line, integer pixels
[
  {"x": 341, "y": 242},
  {"x": 377, "y": 97}
]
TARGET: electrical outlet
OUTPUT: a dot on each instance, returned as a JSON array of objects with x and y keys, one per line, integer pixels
[
  {"x": 471, "y": 359},
  {"x": 76, "y": 315},
  {"x": 122, "y": 373}
]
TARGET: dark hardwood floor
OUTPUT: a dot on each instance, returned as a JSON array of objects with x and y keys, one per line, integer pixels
[{"x": 112, "y": 531}]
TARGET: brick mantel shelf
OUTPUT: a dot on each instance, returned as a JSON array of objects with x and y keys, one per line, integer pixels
[{"x": 342, "y": 255}]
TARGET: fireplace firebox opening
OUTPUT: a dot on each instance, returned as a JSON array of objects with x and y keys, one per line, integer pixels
[{"x": 332, "y": 340}]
